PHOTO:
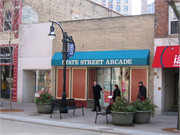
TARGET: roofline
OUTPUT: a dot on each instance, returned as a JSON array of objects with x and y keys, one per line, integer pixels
[{"x": 105, "y": 7}]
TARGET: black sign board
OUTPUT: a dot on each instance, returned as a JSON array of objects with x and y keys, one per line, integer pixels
[{"x": 5, "y": 54}]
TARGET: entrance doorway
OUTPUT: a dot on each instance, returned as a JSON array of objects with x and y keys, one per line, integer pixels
[
  {"x": 176, "y": 81},
  {"x": 108, "y": 77}
]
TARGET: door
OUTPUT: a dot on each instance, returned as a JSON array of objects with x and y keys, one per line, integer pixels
[{"x": 176, "y": 80}]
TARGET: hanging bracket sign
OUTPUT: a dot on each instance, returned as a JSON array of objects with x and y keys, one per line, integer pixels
[{"x": 71, "y": 49}]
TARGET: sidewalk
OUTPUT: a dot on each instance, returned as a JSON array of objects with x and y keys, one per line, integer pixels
[{"x": 86, "y": 122}]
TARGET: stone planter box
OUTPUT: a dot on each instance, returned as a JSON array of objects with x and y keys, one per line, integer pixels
[
  {"x": 122, "y": 118},
  {"x": 142, "y": 117},
  {"x": 44, "y": 108}
]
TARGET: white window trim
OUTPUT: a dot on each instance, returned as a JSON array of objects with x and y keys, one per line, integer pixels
[{"x": 169, "y": 19}]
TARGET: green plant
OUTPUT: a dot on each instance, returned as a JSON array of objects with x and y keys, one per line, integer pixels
[
  {"x": 145, "y": 105},
  {"x": 44, "y": 97},
  {"x": 122, "y": 105}
]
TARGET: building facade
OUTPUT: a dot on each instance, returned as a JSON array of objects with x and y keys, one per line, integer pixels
[
  {"x": 122, "y": 6},
  {"x": 111, "y": 53},
  {"x": 166, "y": 64},
  {"x": 21, "y": 12}
]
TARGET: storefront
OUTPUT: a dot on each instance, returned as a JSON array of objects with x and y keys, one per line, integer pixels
[
  {"x": 123, "y": 67},
  {"x": 166, "y": 77}
]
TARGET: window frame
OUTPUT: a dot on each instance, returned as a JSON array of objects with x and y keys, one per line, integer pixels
[
  {"x": 170, "y": 13},
  {"x": 117, "y": 8},
  {"x": 118, "y": 1},
  {"x": 125, "y": 10},
  {"x": 6, "y": 19},
  {"x": 125, "y": 1},
  {"x": 111, "y": 6}
]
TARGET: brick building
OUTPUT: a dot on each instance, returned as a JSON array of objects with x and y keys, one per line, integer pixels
[
  {"x": 14, "y": 13},
  {"x": 165, "y": 64},
  {"x": 101, "y": 46}
]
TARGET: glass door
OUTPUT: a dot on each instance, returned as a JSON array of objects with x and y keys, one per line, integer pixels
[{"x": 108, "y": 77}]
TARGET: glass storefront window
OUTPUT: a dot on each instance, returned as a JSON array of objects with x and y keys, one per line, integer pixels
[{"x": 43, "y": 80}]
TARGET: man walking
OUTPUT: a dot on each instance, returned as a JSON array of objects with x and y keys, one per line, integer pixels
[
  {"x": 142, "y": 92},
  {"x": 96, "y": 92}
]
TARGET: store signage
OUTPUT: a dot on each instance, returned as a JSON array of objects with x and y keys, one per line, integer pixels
[
  {"x": 5, "y": 55},
  {"x": 166, "y": 57},
  {"x": 99, "y": 62},
  {"x": 71, "y": 50}
]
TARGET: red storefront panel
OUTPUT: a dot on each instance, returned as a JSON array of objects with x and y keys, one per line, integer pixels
[
  {"x": 137, "y": 75},
  {"x": 60, "y": 83}
]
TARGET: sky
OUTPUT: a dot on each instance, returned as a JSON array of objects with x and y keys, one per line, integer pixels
[{"x": 136, "y": 6}]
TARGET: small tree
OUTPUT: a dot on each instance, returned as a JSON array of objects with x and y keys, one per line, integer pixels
[
  {"x": 174, "y": 7},
  {"x": 10, "y": 19}
]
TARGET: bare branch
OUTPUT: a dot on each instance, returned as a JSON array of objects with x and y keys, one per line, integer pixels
[{"x": 173, "y": 5}]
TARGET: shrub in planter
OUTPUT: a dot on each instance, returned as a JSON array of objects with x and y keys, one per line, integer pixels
[
  {"x": 43, "y": 102},
  {"x": 122, "y": 112},
  {"x": 145, "y": 109}
]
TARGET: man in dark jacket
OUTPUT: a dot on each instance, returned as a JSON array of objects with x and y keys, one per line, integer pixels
[
  {"x": 142, "y": 92},
  {"x": 96, "y": 92},
  {"x": 117, "y": 93}
]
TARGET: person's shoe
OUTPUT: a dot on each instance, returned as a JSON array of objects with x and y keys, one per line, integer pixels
[
  {"x": 93, "y": 110},
  {"x": 99, "y": 110}
]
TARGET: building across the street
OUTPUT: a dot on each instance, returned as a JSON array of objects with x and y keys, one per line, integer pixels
[
  {"x": 166, "y": 60},
  {"x": 112, "y": 53},
  {"x": 122, "y": 6},
  {"x": 14, "y": 13}
]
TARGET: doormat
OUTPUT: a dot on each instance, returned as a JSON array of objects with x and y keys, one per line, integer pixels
[
  {"x": 13, "y": 110},
  {"x": 173, "y": 130}
]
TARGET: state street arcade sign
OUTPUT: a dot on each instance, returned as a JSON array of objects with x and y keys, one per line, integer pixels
[
  {"x": 98, "y": 62},
  {"x": 5, "y": 55}
]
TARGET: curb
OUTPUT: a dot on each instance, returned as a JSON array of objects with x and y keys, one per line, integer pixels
[{"x": 97, "y": 128}]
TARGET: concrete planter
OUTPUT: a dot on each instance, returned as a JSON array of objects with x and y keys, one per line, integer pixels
[
  {"x": 44, "y": 108},
  {"x": 142, "y": 117},
  {"x": 122, "y": 118}
]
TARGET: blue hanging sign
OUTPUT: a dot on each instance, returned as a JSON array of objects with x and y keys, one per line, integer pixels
[{"x": 71, "y": 50}]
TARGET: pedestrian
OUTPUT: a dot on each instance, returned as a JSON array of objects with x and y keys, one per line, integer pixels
[
  {"x": 96, "y": 92},
  {"x": 116, "y": 93},
  {"x": 4, "y": 87},
  {"x": 142, "y": 91}
]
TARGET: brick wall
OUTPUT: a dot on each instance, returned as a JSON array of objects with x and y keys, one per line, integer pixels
[
  {"x": 116, "y": 33},
  {"x": 161, "y": 19},
  {"x": 62, "y": 10}
]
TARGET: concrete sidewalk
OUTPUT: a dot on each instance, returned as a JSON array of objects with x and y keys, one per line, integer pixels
[{"x": 86, "y": 122}]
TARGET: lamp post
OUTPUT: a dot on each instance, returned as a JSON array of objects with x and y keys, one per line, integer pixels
[{"x": 66, "y": 39}]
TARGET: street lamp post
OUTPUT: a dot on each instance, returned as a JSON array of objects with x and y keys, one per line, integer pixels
[{"x": 66, "y": 39}]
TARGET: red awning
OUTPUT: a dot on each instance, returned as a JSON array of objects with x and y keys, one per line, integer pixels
[{"x": 166, "y": 57}]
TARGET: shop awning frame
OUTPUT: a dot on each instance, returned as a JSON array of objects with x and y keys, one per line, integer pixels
[{"x": 105, "y": 58}]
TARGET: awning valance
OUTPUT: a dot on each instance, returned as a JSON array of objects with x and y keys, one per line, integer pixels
[
  {"x": 166, "y": 57},
  {"x": 104, "y": 58}
]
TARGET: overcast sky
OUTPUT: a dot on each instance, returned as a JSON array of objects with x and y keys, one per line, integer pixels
[{"x": 136, "y": 6}]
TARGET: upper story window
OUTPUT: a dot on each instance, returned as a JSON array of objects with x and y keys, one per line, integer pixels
[
  {"x": 110, "y": 0},
  {"x": 118, "y": 1},
  {"x": 103, "y": 4},
  {"x": 7, "y": 20},
  {"x": 125, "y": 1},
  {"x": 103, "y": 0},
  {"x": 173, "y": 21},
  {"x": 118, "y": 8},
  {"x": 111, "y": 6},
  {"x": 126, "y": 8}
]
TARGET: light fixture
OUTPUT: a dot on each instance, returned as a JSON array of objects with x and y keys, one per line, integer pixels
[{"x": 52, "y": 34}]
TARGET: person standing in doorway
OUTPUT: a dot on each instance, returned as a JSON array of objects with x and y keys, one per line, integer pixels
[
  {"x": 117, "y": 93},
  {"x": 96, "y": 92},
  {"x": 142, "y": 92},
  {"x": 4, "y": 86}
]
